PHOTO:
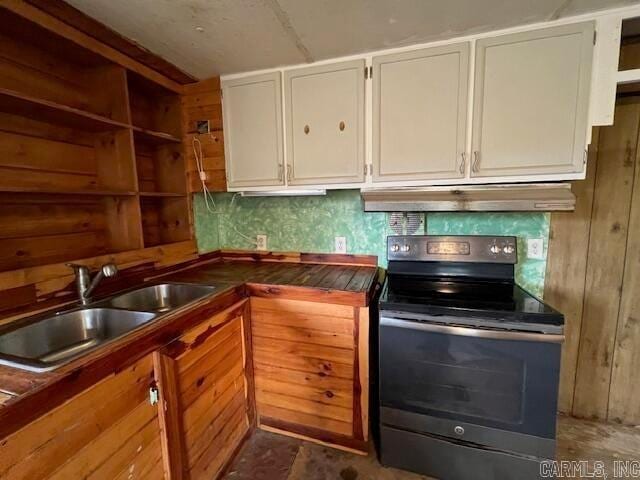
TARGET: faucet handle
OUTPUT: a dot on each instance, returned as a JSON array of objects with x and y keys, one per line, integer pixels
[{"x": 109, "y": 269}]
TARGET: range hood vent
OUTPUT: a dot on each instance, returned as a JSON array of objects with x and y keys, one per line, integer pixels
[{"x": 547, "y": 197}]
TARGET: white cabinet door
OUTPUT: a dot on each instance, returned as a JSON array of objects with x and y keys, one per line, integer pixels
[
  {"x": 324, "y": 118},
  {"x": 420, "y": 114},
  {"x": 531, "y": 102},
  {"x": 252, "y": 116}
]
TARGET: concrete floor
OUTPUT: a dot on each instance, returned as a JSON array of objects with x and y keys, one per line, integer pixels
[{"x": 267, "y": 456}]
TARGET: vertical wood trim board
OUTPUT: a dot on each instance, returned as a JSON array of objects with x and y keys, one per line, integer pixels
[{"x": 169, "y": 409}]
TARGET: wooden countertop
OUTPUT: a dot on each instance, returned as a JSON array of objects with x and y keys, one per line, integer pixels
[
  {"x": 341, "y": 284},
  {"x": 26, "y": 395}
]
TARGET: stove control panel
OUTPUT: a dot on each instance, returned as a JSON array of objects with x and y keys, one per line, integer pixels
[{"x": 453, "y": 248}]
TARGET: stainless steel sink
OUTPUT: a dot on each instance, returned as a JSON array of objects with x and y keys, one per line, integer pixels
[
  {"x": 159, "y": 298},
  {"x": 49, "y": 342}
]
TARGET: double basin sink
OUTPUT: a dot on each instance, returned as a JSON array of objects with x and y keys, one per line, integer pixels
[{"x": 50, "y": 341}]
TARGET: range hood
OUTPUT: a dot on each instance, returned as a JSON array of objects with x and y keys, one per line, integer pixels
[{"x": 544, "y": 197}]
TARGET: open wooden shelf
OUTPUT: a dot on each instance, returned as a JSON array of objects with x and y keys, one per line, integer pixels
[
  {"x": 41, "y": 228},
  {"x": 165, "y": 220},
  {"x": 160, "y": 168},
  {"x": 53, "y": 191},
  {"x": 150, "y": 136},
  {"x": 155, "y": 111},
  {"x": 92, "y": 160},
  {"x": 31, "y": 107},
  {"x": 161, "y": 194}
]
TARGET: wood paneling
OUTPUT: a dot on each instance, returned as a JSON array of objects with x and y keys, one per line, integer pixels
[
  {"x": 210, "y": 385},
  {"x": 202, "y": 101},
  {"x": 592, "y": 269},
  {"x": 565, "y": 280},
  {"x": 107, "y": 431},
  {"x": 605, "y": 261},
  {"x": 624, "y": 398},
  {"x": 307, "y": 367}
]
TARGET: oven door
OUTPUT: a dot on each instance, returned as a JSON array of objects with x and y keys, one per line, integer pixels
[{"x": 505, "y": 381}]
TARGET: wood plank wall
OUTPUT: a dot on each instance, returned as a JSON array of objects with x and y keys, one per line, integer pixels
[
  {"x": 203, "y": 101},
  {"x": 592, "y": 277}
]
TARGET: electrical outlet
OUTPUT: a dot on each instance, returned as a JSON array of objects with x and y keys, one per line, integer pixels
[
  {"x": 341, "y": 245},
  {"x": 261, "y": 242},
  {"x": 535, "y": 248}
]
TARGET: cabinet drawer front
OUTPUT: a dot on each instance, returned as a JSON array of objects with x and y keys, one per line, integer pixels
[
  {"x": 531, "y": 101},
  {"x": 252, "y": 109},
  {"x": 420, "y": 113},
  {"x": 325, "y": 123}
]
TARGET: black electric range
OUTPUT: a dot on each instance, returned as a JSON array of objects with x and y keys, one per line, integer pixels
[{"x": 468, "y": 361}]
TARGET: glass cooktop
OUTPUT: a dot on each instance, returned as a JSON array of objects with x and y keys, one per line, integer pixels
[{"x": 494, "y": 300}]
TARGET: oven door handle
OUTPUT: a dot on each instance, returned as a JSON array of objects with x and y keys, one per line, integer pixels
[{"x": 472, "y": 332}]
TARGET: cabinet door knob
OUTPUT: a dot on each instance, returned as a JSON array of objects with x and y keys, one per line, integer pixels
[
  {"x": 281, "y": 172},
  {"x": 463, "y": 163},
  {"x": 341, "y": 126},
  {"x": 306, "y": 129}
]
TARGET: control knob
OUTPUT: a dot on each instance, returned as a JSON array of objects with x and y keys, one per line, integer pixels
[
  {"x": 395, "y": 247},
  {"x": 406, "y": 248},
  {"x": 508, "y": 249},
  {"x": 495, "y": 249}
]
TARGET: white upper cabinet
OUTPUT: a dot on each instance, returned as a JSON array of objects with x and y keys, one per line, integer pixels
[
  {"x": 252, "y": 115},
  {"x": 531, "y": 102},
  {"x": 497, "y": 108},
  {"x": 324, "y": 115},
  {"x": 420, "y": 114}
]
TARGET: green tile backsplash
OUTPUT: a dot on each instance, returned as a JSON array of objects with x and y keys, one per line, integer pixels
[{"x": 309, "y": 224}]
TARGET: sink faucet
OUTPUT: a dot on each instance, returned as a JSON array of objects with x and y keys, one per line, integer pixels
[{"x": 84, "y": 284}]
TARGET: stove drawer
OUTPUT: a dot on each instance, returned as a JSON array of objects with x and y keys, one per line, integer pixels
[
  {"x": 447, "y": 460},
  {"x": 467, "y": 432}
]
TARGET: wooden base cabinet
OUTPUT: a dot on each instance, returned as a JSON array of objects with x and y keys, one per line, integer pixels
[
  {"x": 109, "y": 431},
  {"x": 181, "y": 412},
  {"x": 205, "y": 396},
  {"x": 311, "y": 370},
  {"x": 119, "y": 430}
]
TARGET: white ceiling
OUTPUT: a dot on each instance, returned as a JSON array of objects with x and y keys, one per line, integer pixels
[{"x": 212, "y": 37}]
